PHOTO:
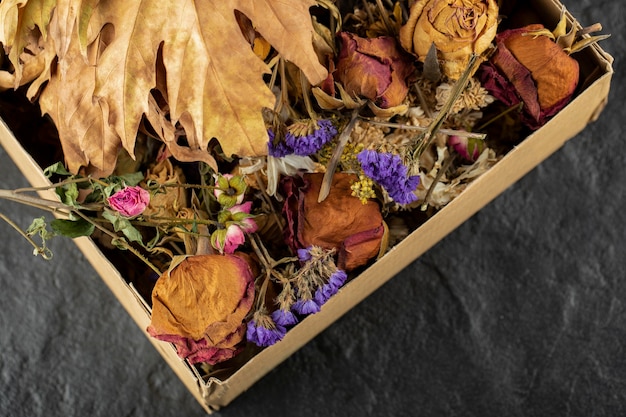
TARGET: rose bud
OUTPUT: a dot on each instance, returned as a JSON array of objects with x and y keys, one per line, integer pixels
[
  {"x": 469, "y": 148},
  {"x": 340, "y": 222},
  {"x": 130, "y": 201},
  {"x": 457, "y": 28},
  {"x": 200, "y": 305},
  {"x": 376, "y": 68},
  {"x": 532, "y": 69}
]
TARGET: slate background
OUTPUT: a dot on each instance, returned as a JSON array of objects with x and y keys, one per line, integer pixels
[{"x": 519, "y": 312}]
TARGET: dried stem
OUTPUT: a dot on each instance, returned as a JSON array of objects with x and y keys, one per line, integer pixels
[
  {"x": 449, "y": 132},
  {"x": 334, "y": 160},
  {"x": 41, "y": 250}
]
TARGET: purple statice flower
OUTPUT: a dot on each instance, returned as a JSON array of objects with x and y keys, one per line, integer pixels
[
  {"x": 276, "y": 148},
  {"x": 284, "y": 318},
  {"x": 390, "y": 173},
  {"x": 264, "y": 331},
  {"x": 335, "y": 281},
  {"x": 307, "y": 145},
  {"x": 305, "y": 307},
  {"x": 323, "y": 293},
  {"x": 304, "y": 254},
  {"x": 338, "y": 278}
]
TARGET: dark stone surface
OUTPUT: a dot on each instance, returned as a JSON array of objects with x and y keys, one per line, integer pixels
[{"x": 519, "y": 312}]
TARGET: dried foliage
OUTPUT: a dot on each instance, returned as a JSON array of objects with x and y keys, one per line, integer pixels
[{"x": 184, "y": 65}]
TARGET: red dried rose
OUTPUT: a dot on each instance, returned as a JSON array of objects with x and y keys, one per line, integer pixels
[
  {"x": 200, "y": 304},
  {"x": 339, "y": 222},
  {"x": 376, "y": 68},
  {"x": 531, "y": 69}
]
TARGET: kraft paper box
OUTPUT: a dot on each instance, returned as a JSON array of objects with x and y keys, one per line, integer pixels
[{"x": 212, "y": 394}]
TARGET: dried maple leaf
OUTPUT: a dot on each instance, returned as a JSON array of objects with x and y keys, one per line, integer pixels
[{"x": 213, "y": 80}]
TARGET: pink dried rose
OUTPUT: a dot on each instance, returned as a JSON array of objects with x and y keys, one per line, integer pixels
[
  {"x": 469, "y": 148},
  {"x": 340, "y": 222},
  {"x": 533, "y": 70},
  {"x": 375, "y": 68},
  {"x": 130, "y": 201},
  {"x": 234, "y": 224},
  {"x": 200, "y": 305}
]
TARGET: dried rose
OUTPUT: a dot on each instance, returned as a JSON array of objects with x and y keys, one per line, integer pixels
[
  {"x": 130, "y": 201},
  {"x": 340, "y": 222},
  {"x": 200, "y": 305},
  {"x": 457, "y": 28},
  {"x": 377, "y": 69},
  {"x": 469, "y": 148},
  {"x": 531, "y": 69},
  {"x": 168, "y": 200},
  {"x": 234, "y": 223}
]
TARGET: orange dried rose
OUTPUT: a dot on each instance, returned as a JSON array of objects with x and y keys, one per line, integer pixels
[
  {"x": 457, "y": 28},
  {"x": 532, "y": 69},
  {"x": 200, "y": 305},
  {"x": 340, "y": 222},
  {"x": 374, "y": 68}
]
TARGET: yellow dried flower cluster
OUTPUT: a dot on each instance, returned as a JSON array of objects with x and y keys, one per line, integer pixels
[
  {"x": 363, "y": 188},
  {"x": 349, "y": 161}
]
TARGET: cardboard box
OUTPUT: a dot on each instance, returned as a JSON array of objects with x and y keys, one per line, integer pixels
[{"x": 213, "y": 393}]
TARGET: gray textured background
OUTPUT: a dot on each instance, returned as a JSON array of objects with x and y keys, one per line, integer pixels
[{"x": 519, "y": 312}]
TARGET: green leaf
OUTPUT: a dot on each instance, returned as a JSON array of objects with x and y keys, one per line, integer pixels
[
  {"x": 132, "y": 178},
  {"x": 122, "y": 224},
  {"x": 132, "y": 234},
  {"x": 57, "y": 168},
  {"x": 72, "y": 228},
  {"x": 39, "y": 227},
  {"x": 68, "y": 194}
]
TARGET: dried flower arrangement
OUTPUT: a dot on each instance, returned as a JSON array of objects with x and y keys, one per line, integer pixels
[{"x": 255, "y": 157}]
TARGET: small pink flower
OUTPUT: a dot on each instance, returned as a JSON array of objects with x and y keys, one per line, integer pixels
[
  {"x": 236, "y": 222},
  {"x": 233, "y": 238},
  {"x": 468, "y": 148},
  {"x": 247, "y": 224},
  {"x": 130, "y": 201}
]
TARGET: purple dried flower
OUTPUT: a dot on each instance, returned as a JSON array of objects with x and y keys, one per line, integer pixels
[
  {"x": 304, "y": 254},
  {"x": 284, "y": 318},
  {"x": 335, "y": 281},
  {"x": 277, "y": 148},
  {"x": 338, "y": 278},
  {"x": 305, "y": 307},
  {"x": 264, "y": 331},
  {"x": 390, "y": 173},
  {"x": 323, "y": 293},
  {"x": 303, "y": 145},
  {"x": 307, "y": 145}
]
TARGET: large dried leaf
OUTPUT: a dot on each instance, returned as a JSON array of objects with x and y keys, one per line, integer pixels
[
  {"x": 22, "y": 22},
  {"x": 214, "y": 81}
]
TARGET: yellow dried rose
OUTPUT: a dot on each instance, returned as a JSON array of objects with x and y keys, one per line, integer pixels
[
  {"x": 200, "y": 304},
  {"x": 457, "y": 28},
  {"x": 167, "y": 201}
]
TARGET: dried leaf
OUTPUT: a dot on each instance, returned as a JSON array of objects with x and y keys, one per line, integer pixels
[{"x": 110, "y": 56}]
